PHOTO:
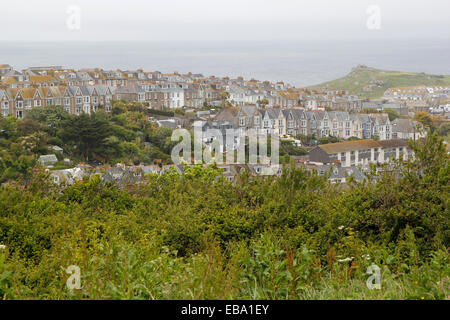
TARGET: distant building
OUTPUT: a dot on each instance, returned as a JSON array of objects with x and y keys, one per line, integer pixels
[
  {"x": 350, "y": 153},
  {"x": 360, "y": 152},
  {"x": 48, "y": 160}
]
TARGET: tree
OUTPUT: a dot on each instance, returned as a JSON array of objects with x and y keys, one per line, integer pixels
[
  {"x": 224, "y": 96},
  {"x": 444, "y": 129},
  {"x": 424, "y": 119},
  {"x": 9, "y": 128},
  {"x": 51, "y": 116},
  {"x": 87, "y": 133},
  {"x": 262, "y": 103},
  {"x": 392, "y": 114}
]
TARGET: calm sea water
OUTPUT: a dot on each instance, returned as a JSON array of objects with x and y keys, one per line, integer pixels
[{"x": 300, "y": 63}]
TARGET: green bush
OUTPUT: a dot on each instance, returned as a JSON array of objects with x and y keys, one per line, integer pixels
[{"x": 197, "y": 236}]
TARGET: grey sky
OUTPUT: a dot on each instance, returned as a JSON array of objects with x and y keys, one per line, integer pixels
[{"x": 191, "y": 20}]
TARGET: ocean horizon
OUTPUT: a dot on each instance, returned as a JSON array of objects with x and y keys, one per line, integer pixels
[{"x": 300, "y": 63}]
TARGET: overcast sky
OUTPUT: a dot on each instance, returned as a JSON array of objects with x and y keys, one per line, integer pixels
[{"x": 191, "y": 20}]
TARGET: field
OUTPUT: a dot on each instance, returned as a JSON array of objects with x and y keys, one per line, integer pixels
[{"x": 359, "y": 81}]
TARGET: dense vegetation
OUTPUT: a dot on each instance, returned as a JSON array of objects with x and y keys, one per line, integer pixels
[
  {"x": 198, "y": 236},
  {"x": 126, "y": 136},
  {"x": 372, "y": 83}
]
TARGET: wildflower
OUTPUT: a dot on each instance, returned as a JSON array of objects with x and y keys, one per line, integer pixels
[
  {"x": 341, "y": 227},
  {"x": 422, "y": 298},
  {"x": 2, "y": 247},
  {"x": 346, "y": 259}
]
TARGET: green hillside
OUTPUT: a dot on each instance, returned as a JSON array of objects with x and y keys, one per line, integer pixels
[{"x": 372, "y": 83}]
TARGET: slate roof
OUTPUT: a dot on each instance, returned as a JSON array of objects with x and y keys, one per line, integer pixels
[
  {"x": 331, "y": 148},
  {"x": 404, "y": 125},
  {"x": 393, "y": 143}
]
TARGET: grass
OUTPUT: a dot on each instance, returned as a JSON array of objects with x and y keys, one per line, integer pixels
[{"x": 358, "y": 81}]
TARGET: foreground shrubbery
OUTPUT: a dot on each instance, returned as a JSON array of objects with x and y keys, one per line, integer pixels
[{"x": 199, "y": 237}]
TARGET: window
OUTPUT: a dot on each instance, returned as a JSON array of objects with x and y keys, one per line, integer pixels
[
  {"x": 19, "y": 114},
  {"x": 242, "y": 121},
  {"x": 19, "y": 104}
]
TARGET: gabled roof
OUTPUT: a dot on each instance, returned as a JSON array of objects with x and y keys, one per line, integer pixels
[
  {"x": 42, "y": 79},
  {"x": 404, "y": 125},
  {"x": 248, "y": 110}
]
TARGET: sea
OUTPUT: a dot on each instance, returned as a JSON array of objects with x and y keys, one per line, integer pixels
[{"x": 300, "y": 63}]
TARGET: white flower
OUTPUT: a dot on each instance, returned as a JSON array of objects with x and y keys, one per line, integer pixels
[
  {"x": 341, "y": 227},
  {"x": 346, "y": 259},
  {"x": 2, "y": 247}
]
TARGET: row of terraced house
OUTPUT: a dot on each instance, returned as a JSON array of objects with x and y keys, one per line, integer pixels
[
  {"x": 87, "y": 89},
  {"x": 319, "y": 123}
]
